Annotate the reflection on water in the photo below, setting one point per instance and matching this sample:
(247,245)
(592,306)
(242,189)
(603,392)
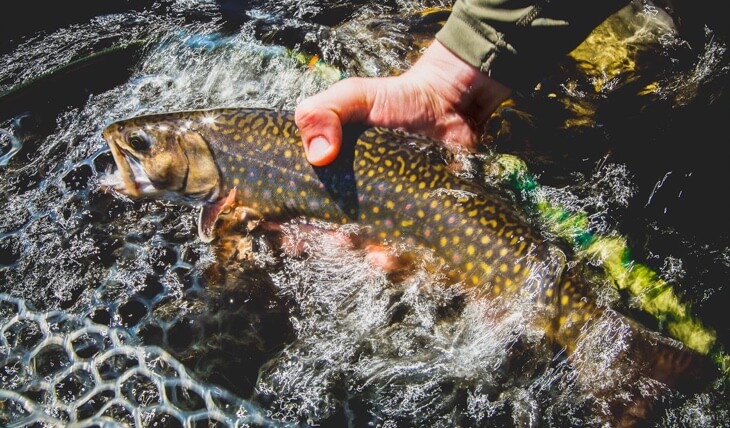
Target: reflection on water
(325,339)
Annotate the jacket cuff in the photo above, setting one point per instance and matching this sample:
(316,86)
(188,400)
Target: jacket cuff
(468,42)
(484,47)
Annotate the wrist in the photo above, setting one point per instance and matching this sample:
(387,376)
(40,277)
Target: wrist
(460,82)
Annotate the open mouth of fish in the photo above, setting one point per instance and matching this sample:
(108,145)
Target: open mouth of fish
(129,178)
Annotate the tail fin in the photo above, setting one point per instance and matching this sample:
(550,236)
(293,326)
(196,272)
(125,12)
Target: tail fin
(625,368)
(671,362)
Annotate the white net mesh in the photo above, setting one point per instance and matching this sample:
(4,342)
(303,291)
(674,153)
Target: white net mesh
(57,370)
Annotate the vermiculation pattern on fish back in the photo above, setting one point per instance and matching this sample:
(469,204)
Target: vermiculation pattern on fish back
(383,180)
(378,182)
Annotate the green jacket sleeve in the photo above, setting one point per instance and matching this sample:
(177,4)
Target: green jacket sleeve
(517,41)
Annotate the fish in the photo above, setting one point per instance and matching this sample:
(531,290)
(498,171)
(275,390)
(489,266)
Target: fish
(402,187)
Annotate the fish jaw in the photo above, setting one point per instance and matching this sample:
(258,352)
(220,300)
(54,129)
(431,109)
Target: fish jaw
(129,178)
(119,182)
(123,180)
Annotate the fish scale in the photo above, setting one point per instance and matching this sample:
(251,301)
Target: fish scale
(394,183)
(383,183)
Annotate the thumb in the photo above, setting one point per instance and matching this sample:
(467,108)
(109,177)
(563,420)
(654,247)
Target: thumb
(321,116)
(321,131)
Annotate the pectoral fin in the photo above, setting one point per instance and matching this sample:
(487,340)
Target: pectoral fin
(209,215)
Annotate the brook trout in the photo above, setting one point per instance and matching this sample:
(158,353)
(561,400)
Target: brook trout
(397,184)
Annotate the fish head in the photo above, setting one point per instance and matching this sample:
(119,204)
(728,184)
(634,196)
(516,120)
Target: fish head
(161,156)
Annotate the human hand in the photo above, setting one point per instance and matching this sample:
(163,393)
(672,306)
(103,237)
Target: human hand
(440,96)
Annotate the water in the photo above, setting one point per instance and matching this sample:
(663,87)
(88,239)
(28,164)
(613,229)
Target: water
(88,276)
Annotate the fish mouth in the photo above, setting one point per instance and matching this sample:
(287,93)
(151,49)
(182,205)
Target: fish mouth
(129,178)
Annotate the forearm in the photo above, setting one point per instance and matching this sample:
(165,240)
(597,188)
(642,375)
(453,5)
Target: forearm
(517,41)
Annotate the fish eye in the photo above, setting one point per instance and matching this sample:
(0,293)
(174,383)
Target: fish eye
(138,141)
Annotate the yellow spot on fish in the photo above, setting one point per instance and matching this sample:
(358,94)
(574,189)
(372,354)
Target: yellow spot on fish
(469,231)
(470,250)
(376,210)
(443,241)
(398,188)
(503,268)
(236,181)
(402,163)
(496,289)
(516,268)
(475,280)
(549,292)
(455,240)
(368,155)
(485,267)
(564,300)
(521,248)
(485,239)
